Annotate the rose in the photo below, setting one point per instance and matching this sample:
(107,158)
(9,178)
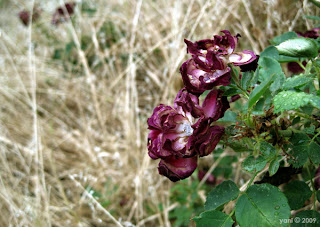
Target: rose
(178,135)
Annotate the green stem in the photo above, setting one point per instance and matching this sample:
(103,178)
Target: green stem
(251,180)
(314,191)
(317,70)
(301,65)
(313,138)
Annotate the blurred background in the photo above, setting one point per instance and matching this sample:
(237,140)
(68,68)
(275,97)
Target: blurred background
(78,81)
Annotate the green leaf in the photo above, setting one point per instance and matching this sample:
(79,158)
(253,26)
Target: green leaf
(298,47)
(262,205)
(220,195)
(245,79)
(286,59)
(259,91)
(310,130)
(252,164)
(213,218)
(291,100)
(268,67)
(298,139)
(297,81)
(270,52)
(274,166)
(306,218)
(229,116)
(285,36)
(315,2)
(300,154)
(314,153)
(267,149)
(312,17)
(297,192)
(231,92)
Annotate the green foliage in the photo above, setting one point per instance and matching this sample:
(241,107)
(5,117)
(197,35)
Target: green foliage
(298,47)
(277,126)
(262,205)
(223,193)
(281,38)
(186,194)
(252,164)
(213,218)
(297,81)
(291,100)
(297,192)
(307,218)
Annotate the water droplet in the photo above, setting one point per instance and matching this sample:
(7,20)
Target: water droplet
(284,205)
(277,207)
(276,213)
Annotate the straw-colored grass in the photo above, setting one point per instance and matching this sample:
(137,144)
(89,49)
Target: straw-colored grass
(69,131)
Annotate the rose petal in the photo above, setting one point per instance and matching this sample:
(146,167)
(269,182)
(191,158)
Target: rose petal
(177,168)
(242,58)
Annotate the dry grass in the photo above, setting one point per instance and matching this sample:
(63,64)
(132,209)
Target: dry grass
(66,128)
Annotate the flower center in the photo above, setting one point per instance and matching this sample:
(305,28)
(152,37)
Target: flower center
(188,129)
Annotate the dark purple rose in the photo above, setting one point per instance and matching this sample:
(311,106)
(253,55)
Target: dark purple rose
(313,33)
(295,68)
(252,66)
(172,129)
(176,168)
(216,53)
(317,180)
(63,13)
(197,80)
(205,137)
(185,131)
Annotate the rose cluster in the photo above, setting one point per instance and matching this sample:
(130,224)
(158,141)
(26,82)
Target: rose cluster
(182,133)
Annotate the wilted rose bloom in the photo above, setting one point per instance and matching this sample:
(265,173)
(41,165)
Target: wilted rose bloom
(63,13)
(252,66)
(176,168)
(179,134)
(313,33)
(197,80)
(216,53)
(210,59)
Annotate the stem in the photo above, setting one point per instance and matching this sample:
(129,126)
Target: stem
(251,180)
(317,70)
(286,133)
(301,65)
(314,191)
(313,138)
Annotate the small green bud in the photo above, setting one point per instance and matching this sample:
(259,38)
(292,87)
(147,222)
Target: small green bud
(298,47)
